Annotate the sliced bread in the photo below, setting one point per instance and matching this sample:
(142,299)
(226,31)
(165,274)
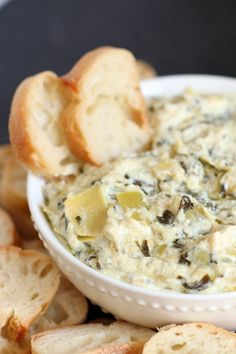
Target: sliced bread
(192,338)
(106,116)
(35,129)
(68,307)
(119,338)
(28,282)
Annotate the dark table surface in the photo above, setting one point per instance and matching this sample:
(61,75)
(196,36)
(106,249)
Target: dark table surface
(177,36)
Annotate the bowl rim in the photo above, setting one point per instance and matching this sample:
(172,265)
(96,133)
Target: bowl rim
(35,182)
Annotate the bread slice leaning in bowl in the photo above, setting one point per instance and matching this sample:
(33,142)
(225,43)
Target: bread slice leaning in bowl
(117,338)
(36,135)
(196,338)
(106,116)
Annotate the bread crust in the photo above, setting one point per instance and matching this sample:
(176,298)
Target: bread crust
(19,130)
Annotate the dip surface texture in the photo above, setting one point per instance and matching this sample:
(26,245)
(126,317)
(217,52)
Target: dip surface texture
(162,219)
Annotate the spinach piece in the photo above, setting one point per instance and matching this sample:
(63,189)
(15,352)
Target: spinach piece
(199,285)
(186,203)
(144,248)
(167,217)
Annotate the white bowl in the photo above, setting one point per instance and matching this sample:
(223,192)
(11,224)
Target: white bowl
(138,305)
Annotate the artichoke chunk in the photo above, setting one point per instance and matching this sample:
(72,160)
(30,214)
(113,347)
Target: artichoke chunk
(87,211)
(130,199)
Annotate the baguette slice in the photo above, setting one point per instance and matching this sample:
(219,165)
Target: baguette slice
(68,307)
(28,282)
(8,235)
(35,129)
(195,338)
(119,338)
(106,116)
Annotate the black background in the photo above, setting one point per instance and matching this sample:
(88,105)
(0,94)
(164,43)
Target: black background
(177,36)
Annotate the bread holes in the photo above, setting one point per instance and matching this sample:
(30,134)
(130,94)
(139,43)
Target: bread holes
(46,270)
(35,266)
(34,296)
(113,339)
(179,346)
(134,338)
(67,160)
(178,334)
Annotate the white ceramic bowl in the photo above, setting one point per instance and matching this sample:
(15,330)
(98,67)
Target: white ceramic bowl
(141,306)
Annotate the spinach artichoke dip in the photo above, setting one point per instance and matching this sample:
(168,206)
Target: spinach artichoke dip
(165,218)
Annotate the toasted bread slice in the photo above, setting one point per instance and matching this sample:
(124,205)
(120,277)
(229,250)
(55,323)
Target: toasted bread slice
(28,282)
(8,235)
(106,116)
(119,338)
(34,126)
(197,338)
(145,70)
(68,307)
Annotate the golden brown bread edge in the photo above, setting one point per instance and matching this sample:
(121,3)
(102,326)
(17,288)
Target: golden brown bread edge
(19,131)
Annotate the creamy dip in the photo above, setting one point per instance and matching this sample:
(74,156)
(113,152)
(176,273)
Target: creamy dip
(166,218)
